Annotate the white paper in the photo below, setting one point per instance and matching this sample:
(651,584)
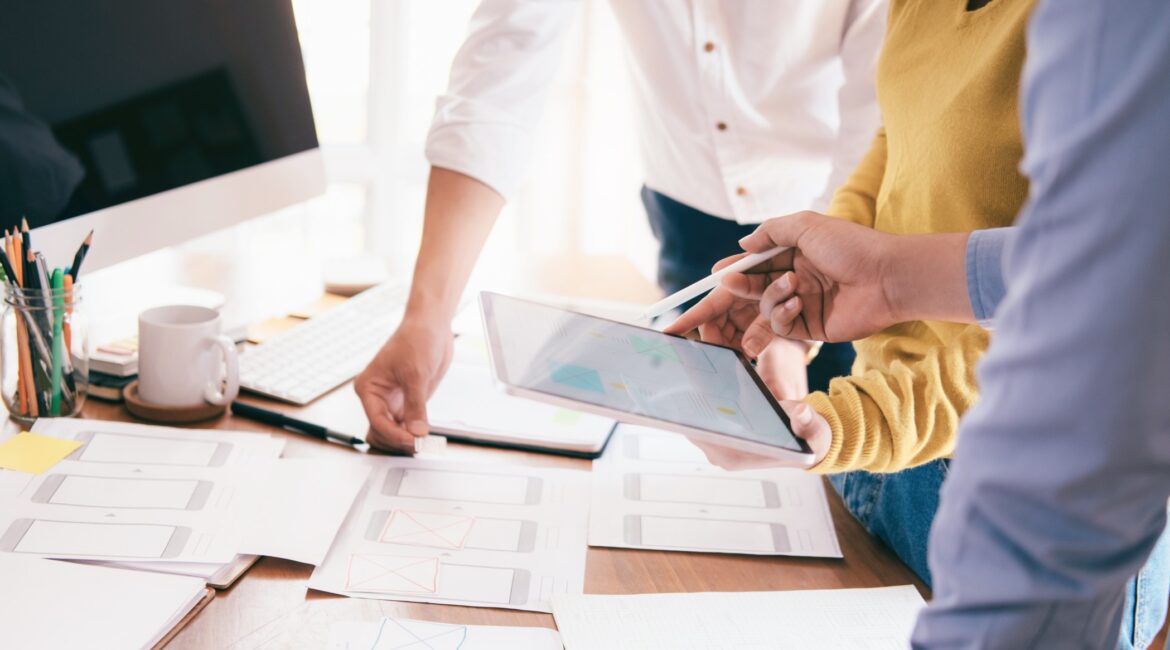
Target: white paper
(653,489)
(298,506)
(50,604)
(403,633)
(467,403)
(845,619)
(216,575)
(136,493)
(462,533)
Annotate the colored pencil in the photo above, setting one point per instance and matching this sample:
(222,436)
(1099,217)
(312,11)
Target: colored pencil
(68,312)
(23,369)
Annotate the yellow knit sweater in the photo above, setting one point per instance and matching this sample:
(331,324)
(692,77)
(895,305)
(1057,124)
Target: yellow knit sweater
(945,161)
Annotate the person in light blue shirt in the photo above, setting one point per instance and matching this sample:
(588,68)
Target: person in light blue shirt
(1059,486)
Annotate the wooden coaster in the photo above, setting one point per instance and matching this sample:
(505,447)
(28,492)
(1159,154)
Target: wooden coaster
(168,414)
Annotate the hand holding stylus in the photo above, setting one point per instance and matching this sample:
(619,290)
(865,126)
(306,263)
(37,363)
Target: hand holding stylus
(834,285)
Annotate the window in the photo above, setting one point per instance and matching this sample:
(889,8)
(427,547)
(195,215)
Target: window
(374,69)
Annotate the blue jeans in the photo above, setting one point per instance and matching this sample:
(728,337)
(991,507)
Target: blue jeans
(692,241)
(899,509)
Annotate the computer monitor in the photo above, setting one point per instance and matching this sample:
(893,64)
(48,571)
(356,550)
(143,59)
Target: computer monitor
(150,122)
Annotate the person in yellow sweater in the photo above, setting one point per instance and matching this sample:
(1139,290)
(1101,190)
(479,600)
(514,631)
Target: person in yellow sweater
(945,161)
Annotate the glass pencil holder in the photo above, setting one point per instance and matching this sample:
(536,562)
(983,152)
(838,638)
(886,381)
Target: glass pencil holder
(44,353)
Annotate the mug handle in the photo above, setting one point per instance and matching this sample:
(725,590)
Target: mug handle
(212,392)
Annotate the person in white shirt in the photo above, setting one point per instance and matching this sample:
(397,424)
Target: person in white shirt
(746,110)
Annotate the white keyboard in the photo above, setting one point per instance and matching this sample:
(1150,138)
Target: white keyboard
(322,353)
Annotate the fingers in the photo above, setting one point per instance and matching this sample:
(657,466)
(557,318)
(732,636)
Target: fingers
(783,367)
(414,408)
(783,310)
(787,320)
(385,433)
(756,337)
(747,286)
(810,426)
(777,293)
(711,307)
(780,231)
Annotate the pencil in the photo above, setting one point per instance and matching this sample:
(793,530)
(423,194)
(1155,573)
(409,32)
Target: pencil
(68,312)
(24,376)
(23,370)
(79,257)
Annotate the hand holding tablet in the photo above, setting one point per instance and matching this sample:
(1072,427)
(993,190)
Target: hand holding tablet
(637,375)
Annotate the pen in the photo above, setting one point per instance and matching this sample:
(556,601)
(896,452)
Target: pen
(56,376)
(79,256)
(708,283)
(36,326)
(283,421)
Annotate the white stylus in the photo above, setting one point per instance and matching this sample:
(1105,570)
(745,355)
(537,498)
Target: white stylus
(708,283)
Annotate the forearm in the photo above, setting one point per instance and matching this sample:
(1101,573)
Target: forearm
(459,214)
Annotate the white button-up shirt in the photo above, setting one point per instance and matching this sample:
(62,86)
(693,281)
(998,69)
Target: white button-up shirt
(748,109)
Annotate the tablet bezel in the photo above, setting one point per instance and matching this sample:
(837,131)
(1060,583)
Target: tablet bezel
(803,458)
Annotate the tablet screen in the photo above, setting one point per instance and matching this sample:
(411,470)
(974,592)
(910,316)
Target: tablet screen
(631,369)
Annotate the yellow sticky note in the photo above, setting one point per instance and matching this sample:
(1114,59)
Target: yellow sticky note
(29,452)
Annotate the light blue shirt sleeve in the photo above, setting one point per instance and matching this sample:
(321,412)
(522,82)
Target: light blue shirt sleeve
(1059,483)
(985,285)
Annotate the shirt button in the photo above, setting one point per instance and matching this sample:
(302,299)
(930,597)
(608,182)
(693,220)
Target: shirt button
(741,191)
(709,47)
(722,126)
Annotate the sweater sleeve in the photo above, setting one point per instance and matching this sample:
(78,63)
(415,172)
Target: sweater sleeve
(856,200)
(905,414)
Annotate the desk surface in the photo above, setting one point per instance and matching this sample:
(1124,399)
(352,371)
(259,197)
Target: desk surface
(270,606)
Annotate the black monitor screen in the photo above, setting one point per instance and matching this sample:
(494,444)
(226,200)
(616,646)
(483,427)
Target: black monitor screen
(107,101)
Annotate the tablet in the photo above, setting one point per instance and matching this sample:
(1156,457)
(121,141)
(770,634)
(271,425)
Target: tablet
(636,375)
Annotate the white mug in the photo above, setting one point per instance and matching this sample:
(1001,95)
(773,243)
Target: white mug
(183,359)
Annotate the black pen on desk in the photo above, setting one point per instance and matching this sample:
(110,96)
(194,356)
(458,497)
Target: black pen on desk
(283,421)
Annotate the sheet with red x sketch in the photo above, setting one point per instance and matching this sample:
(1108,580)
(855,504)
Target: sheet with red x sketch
(462,533)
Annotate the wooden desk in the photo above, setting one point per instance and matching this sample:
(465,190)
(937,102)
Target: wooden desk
(270,607)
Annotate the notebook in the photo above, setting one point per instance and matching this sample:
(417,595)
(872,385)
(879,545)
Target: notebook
(51,604)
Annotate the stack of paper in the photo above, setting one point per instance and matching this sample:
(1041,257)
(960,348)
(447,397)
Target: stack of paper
(845,619)
(200,503)
(653,489)
(49,604)
(462,533)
